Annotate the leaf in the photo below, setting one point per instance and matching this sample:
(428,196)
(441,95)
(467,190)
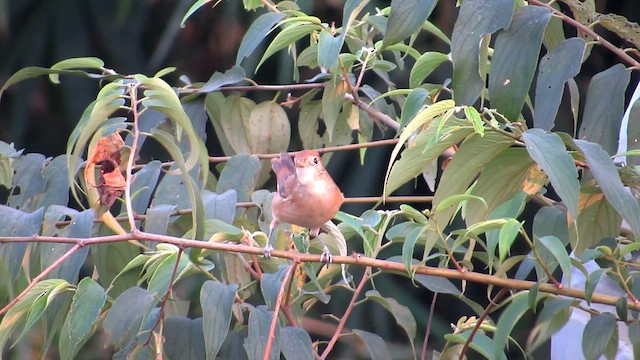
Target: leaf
(425,65)
(437,284)
(218,80)
(476,19)
(548,151)
(197,5)
(501,179)
(596,220)
(406,18)
(270,286)
(508,234)
(518,306)
(412,105)
(124,319)
(515,58)
(183,338)
(474,153)
(75,63)
(81,320)
(268,130)
(328,49)
(288,36)
(408,246)
(604,107)
(332,100)
(295,343)
(401,313)
(605,173)
(375,344)
(258,30)
(240,174)
(597,334)
(555,69)
(259,324)
(556,248)
(553,317)
(216,300)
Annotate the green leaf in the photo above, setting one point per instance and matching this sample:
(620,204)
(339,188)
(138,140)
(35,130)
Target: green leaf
(474,153)
(406,18)
(549,152)
(328,49)
(401,313)
(16,316)
(183,338)
(519,305)
(197,5)
(437,284)
(556,68)
(270,286)
(216,300)
(591,283)
(476,120)
(218,80)
(412,105)
(82,318)
(288,36)
(475,19)
(634,336)
(606,174)
(552,318)
(295,344)
(268,130)
(332,101)
(258,30)
(75,63)
(161,277)
(508,234)
(125,318)
(597,220)
(425,65)
(240,174)
(515,58)
(597,334)
(374,343)
(501,179)
(604,107)
(408,246)
(259,324)
(557,249)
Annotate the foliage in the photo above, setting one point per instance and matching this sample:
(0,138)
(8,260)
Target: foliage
(164,257)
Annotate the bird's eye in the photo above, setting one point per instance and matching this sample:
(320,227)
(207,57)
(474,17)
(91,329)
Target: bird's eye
(315,160)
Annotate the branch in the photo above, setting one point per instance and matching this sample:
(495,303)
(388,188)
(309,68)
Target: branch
(343,319)
(276,310)
(355,260)
(587,30)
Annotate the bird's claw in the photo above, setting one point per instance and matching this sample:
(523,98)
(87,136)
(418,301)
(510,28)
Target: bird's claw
(267,251)
(326,256)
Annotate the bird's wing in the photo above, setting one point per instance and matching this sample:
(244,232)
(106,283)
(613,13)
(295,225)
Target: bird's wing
(285,171)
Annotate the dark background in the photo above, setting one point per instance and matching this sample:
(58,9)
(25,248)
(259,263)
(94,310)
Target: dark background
(145,36)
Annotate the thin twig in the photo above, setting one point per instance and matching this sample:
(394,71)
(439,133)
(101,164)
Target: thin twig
(427,332)
(587,30)
(480,320)
(343,319)
(133,93)
(359,260)
(276,310)
(42,275)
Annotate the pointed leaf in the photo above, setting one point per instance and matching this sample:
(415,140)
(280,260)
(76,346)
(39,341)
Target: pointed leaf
(296,344)
(406,17)
(604,107)
(512,313)
(286,37)
(556,248)
(597,334)
(549,152)
(606,174)
(556,68)
(401,313)
(258,30)
(424,66)
(82,317)
(125,317)
(218,80)
(476,19)
(259,324)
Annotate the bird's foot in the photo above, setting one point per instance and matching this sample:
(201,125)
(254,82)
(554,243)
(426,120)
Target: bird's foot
(267,251)
(326,256)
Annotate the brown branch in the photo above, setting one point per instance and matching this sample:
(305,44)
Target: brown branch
(276,310)
(480,320)
(427,331)
(355,260)
(79,244)
(347,312)
(587,30)
(368,144)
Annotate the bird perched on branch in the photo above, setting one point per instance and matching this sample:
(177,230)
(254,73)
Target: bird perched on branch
(306,195)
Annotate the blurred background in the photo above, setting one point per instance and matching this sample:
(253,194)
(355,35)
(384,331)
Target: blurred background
(145,36)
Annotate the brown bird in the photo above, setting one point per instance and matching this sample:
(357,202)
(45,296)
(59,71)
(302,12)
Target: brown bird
(306,195)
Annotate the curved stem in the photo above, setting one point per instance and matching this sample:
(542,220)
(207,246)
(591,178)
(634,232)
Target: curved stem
(276,310)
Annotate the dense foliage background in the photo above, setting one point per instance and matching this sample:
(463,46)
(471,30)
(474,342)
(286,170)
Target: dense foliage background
(145,37)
